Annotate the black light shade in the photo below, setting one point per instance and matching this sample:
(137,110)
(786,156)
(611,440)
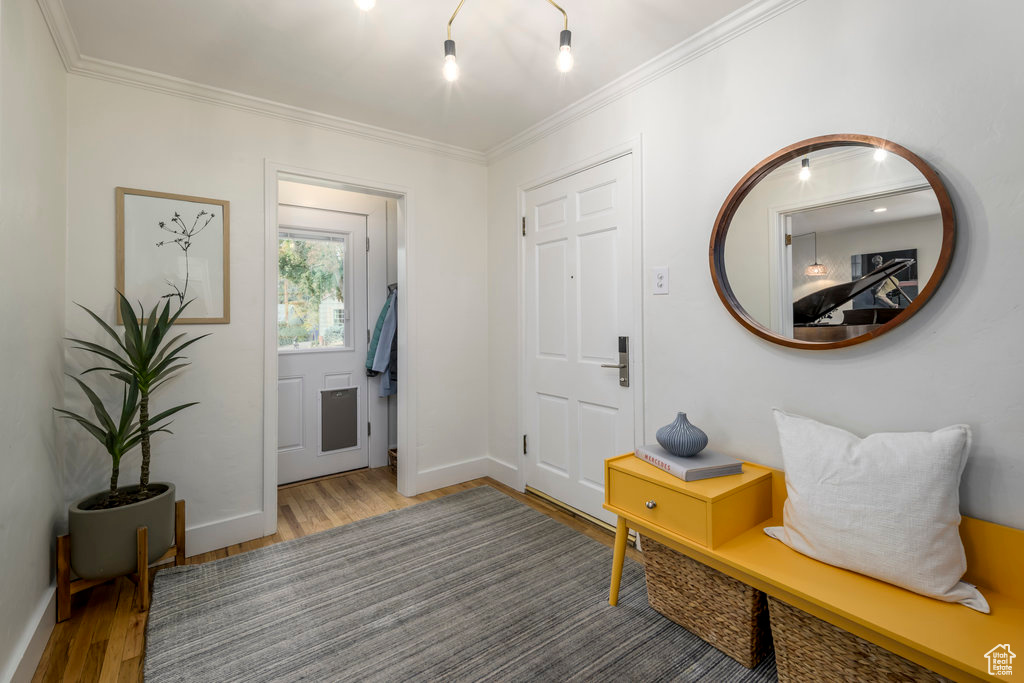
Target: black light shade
(449,48)
(565,39)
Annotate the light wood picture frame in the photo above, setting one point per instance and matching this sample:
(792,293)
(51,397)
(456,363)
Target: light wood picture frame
(176,247)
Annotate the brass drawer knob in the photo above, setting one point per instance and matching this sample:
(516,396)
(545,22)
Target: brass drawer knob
(651,504)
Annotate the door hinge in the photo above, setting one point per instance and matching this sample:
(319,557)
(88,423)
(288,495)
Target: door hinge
(524,444)
(367,245)
(789,240)
(368,429)
(524,226)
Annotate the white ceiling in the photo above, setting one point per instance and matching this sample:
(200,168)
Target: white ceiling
(859,214)
(383,67)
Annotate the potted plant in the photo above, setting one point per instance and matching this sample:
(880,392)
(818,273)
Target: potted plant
(102,525)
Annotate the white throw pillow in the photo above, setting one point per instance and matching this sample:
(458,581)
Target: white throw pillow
(887,506)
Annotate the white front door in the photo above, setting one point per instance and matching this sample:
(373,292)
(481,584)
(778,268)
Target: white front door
(322,322)
(579,301)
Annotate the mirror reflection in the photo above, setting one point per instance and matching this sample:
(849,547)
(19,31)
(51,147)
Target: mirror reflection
(834,243)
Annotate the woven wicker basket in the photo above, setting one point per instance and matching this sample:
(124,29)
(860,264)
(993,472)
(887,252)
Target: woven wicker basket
(393,461)
(809,649)
(726,613)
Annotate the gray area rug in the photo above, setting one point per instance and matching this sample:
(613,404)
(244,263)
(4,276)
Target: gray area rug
(473,586)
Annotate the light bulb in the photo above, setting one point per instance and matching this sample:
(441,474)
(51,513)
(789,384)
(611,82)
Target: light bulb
(366,5)
(879,209)
(805,169)
(880,154)
(450,69)
(565,59)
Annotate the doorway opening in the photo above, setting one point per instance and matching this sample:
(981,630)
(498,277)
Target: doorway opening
(829,243)
(331,395)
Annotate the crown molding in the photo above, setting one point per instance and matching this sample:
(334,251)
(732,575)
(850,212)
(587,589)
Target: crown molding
(60,29)
(76,63)
(729,27)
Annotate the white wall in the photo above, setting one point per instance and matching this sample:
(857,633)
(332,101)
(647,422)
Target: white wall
(33,173)
(934,77)
(121,135)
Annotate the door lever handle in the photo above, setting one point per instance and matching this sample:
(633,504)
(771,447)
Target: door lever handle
(623,365)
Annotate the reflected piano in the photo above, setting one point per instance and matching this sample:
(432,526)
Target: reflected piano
(809,312)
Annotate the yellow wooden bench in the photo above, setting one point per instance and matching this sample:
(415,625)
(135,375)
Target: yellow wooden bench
(949,639)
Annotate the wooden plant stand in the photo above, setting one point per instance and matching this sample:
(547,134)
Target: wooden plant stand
(66,587)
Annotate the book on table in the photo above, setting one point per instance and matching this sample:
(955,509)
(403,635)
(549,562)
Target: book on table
(704,465)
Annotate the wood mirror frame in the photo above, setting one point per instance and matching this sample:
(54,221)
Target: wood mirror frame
(754,176)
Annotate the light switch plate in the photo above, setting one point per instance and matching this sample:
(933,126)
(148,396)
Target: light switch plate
(659,280)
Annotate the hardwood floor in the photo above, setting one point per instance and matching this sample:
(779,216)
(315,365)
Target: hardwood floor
(105,636)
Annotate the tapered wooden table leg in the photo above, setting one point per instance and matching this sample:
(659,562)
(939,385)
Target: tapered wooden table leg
(621,536)
(63,578)
(142,541)
(179,533)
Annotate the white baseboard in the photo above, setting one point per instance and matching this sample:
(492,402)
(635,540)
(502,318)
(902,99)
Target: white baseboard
(225,532)
(22,667)
(456,473)
(503,472)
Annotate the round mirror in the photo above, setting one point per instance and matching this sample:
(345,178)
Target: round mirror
(832,241)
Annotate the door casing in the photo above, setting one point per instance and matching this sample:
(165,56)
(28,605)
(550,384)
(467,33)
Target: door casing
(407,369)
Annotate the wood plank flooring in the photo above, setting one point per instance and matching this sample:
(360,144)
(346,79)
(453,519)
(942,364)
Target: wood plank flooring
(105,637)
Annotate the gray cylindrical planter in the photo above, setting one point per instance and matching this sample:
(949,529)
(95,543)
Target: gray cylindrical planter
(103,542)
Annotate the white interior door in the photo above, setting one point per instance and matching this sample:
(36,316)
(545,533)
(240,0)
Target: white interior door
(579,300)
(322,322)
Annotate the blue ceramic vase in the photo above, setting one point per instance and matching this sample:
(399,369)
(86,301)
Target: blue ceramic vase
(682,438)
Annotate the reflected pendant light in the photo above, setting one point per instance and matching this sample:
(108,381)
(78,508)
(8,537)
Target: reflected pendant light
(564,62)
(815,269)
(805,169)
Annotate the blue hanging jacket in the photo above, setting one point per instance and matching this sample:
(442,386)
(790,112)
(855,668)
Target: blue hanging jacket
(385,359)
(371,352)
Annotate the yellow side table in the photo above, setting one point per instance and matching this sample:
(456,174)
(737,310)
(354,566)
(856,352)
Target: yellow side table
(707,512)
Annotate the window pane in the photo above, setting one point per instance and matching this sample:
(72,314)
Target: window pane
(310,292)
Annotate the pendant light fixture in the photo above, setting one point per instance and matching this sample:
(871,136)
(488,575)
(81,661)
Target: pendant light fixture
(805,169)
(451,67)
(564,62)
(815,269)
(565,59)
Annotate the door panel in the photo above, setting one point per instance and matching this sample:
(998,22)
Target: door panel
(598,438)
(550,214)
(289,418)
(598,307)
(551,288)
(579,280)
(553,432)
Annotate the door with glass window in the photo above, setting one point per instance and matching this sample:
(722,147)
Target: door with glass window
(321,324)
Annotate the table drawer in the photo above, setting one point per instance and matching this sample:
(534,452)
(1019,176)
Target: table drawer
(672,510)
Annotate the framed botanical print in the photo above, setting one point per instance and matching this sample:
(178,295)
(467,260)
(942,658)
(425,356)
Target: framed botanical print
(174,247)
